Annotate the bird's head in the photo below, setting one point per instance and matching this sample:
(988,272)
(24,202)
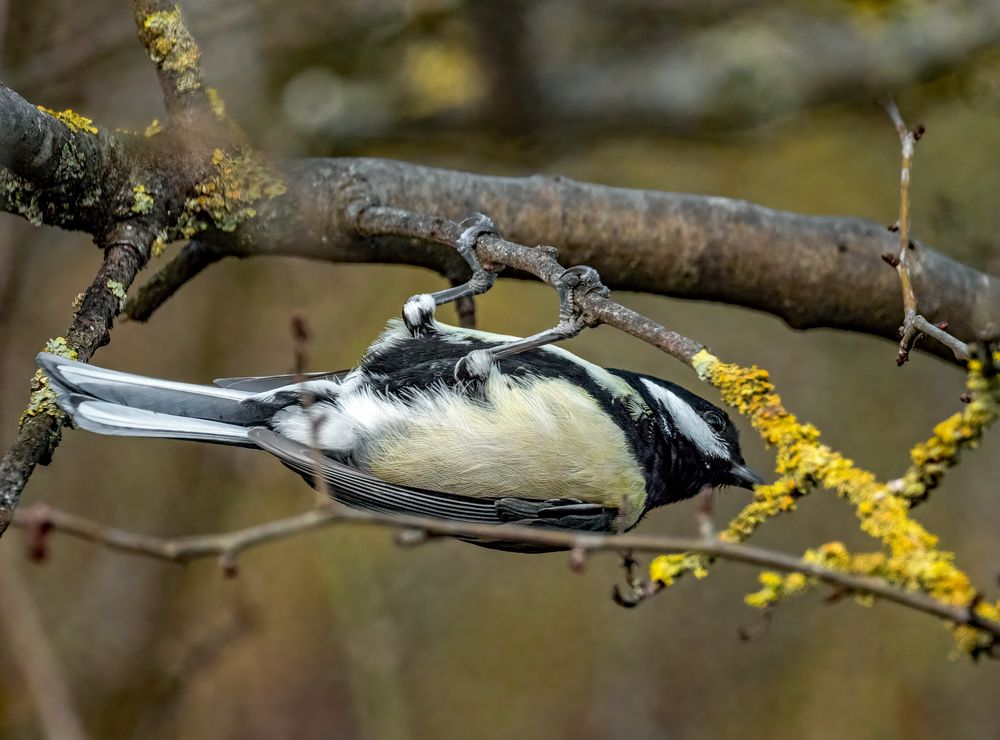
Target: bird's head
(703,444)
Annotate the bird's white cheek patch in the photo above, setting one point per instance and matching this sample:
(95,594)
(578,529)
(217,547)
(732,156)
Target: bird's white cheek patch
(687,421)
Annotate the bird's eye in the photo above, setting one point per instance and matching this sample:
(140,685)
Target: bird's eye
(715,421)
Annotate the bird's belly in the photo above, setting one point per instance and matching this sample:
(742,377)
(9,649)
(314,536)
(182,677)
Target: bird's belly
(548,439)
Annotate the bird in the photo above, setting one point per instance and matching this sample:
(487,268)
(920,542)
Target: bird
(447,422)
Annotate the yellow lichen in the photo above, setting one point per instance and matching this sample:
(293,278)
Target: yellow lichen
(118,291)
(911,559)
(229,197)
(72,120)
(153,129)
(666,569)
(962,430)
(142,202)
(173,49)
(43,399)
(159,242)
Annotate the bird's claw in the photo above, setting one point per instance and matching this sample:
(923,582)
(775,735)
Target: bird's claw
(572,284)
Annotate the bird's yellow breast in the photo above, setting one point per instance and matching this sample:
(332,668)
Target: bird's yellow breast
(547,439)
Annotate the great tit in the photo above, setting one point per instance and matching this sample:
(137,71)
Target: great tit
(448,422)
(546,438)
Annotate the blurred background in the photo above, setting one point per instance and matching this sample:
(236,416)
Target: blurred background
(340,634)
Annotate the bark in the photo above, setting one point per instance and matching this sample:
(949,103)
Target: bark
(811,271)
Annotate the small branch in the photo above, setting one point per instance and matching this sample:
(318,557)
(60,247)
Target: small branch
(40,430)
(913,323)
(229,545)
(177,58)
(960,349)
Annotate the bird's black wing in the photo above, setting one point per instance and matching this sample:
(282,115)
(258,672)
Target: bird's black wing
(362,490)
(262,383)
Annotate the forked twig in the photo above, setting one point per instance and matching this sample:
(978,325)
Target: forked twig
(914,325)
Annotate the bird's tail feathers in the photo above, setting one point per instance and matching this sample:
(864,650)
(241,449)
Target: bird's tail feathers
(105,417)
(206,402)
(112,402)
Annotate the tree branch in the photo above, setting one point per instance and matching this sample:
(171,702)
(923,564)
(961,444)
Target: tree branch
(38,521)
(176,55)
(56,168)
(41,425)
(811,271)
(536,261)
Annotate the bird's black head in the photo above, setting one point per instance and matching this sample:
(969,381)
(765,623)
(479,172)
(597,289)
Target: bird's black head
(701,445)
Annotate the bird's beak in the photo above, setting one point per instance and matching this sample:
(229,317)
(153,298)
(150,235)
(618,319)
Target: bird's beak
(744,477)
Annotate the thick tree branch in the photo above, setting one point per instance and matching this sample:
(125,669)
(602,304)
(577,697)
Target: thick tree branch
(56,168)
(811,271)
(40,520)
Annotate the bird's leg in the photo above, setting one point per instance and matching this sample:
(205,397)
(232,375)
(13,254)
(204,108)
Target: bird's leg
(571,284)
(418,311)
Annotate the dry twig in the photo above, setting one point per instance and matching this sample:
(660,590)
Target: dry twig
(914,325)
(228,546)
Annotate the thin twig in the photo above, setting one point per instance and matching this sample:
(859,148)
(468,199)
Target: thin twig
(232,544)
(914,325)
(126,251)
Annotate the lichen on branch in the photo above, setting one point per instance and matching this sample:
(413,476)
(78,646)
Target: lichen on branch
(43,398)
(172,48)
(73,120)
(911,558)
(228,197)
(962,430)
